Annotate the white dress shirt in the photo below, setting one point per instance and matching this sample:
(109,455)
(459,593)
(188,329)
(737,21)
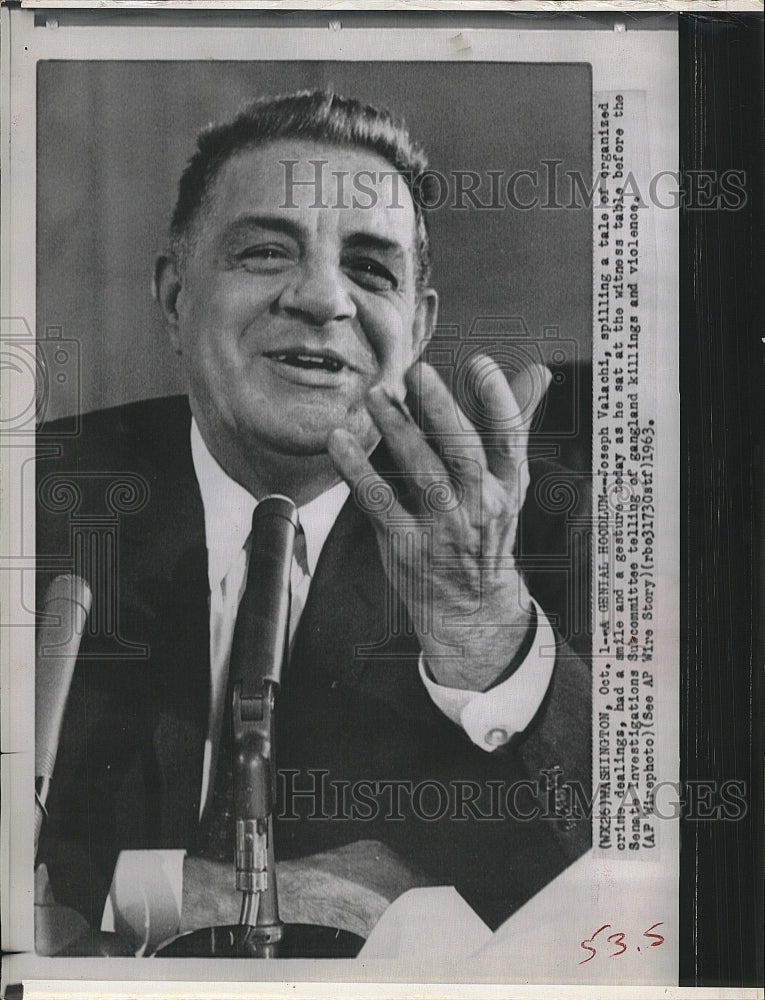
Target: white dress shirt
(489,718)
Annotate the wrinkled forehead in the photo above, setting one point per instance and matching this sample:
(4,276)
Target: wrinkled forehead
(320,186)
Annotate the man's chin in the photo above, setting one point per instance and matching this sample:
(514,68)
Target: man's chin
(315,446)
(307,438)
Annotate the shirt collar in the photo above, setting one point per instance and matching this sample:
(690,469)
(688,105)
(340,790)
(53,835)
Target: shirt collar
(229,507)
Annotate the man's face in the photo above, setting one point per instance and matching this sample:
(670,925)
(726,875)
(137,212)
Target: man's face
(287,313)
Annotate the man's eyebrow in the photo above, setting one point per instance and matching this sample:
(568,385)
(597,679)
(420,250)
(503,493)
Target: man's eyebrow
(362,241)
(273,223)
(244,224)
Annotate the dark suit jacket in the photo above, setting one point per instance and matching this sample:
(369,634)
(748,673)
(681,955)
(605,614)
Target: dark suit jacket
(119,503)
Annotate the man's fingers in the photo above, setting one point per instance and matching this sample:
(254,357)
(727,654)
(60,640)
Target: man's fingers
(504,411)
(373,494)
(348,456)
(405,441)
(441,411)
(529,387)
(446,425)
(508,407)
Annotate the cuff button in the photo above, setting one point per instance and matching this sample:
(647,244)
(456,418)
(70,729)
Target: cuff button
(496,737)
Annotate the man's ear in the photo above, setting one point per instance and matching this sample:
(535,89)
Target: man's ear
(425,316)
(166,285)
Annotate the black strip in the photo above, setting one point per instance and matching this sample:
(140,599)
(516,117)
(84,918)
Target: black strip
(721,907)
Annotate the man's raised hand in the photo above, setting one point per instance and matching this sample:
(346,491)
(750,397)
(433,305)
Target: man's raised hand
(447,537)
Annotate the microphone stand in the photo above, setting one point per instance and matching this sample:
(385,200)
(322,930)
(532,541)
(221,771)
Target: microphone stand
(254,781)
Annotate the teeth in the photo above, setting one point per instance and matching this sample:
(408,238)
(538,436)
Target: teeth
(310,361)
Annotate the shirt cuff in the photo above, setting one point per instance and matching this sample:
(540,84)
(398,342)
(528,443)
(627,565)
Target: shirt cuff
(145,898)
(491,718)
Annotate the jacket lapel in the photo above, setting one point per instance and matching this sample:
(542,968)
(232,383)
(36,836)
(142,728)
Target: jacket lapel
(345,603)
(354,629)
(165,599)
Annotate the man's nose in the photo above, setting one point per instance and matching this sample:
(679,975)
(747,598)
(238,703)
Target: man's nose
(318,295)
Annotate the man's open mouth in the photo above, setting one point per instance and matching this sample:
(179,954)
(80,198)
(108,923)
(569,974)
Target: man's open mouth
(309,361)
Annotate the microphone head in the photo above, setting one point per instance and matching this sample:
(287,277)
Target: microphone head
(71,589)
(276,505)
(66,606)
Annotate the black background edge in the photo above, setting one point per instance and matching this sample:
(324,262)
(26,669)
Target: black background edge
(721,392)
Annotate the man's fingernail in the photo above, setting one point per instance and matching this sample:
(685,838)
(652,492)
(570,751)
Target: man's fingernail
(420,372)
(341,439)
(546,376)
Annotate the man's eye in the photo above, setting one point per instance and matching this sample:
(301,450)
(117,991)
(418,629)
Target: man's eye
(371,274)
(263,257)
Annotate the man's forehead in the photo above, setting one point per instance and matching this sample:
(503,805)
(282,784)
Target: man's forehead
(351,188)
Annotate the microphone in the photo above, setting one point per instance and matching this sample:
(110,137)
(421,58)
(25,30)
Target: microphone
(262,622)
(67,601)
(257,657)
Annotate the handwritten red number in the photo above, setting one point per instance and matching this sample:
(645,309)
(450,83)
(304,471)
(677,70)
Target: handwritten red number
(584,944)
(659,939)
(619,940)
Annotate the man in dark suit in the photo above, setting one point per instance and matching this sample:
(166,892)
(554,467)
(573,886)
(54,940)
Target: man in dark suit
(422,706)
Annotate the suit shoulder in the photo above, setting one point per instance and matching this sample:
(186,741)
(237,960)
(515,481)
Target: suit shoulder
(145,433)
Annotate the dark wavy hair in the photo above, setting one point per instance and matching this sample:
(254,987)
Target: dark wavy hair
(317,115)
